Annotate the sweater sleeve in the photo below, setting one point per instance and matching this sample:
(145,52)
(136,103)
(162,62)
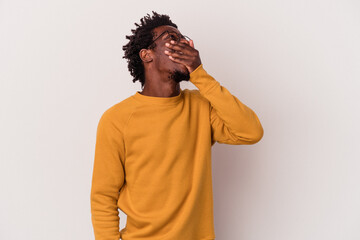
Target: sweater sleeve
(107,180)
(232,122)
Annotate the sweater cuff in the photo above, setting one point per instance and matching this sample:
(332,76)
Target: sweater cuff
(200,66)
(202,80)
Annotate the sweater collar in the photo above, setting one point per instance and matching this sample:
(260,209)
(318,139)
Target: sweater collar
(159,100)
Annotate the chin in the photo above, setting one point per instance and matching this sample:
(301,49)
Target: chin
(180,75)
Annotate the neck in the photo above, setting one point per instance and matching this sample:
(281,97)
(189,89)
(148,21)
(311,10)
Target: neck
(161,90)
(160,85)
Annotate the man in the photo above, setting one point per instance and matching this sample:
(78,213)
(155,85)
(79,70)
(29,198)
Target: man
(153,149)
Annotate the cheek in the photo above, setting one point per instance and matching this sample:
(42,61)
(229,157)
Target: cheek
(162,61)
(161,52)
(162,58)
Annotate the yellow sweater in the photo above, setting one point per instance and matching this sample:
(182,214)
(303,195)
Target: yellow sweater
(153,161)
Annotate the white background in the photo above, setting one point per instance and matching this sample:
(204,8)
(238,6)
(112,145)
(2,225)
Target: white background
(295,63)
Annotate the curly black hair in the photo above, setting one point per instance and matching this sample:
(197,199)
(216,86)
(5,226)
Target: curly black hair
(141,38)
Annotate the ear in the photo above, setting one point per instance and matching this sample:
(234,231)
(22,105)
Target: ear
(145,55)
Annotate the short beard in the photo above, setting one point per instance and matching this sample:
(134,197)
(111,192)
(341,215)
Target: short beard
(179,76)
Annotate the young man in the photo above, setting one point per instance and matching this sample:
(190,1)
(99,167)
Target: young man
(153,149)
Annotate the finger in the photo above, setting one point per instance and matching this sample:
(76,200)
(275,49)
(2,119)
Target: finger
(178,60)
(180,47)
(183,40)
(192,43)
(177,54)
